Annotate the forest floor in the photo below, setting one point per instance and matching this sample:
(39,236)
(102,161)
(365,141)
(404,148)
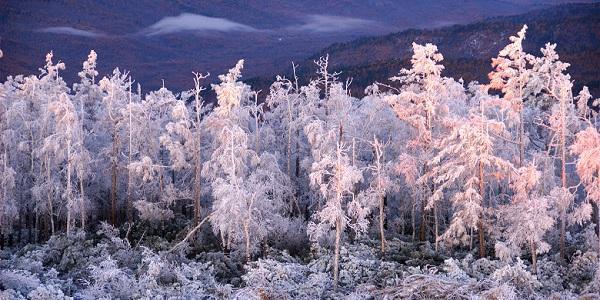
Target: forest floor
(106,265)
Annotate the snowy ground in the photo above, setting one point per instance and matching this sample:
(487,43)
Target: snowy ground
(105,266)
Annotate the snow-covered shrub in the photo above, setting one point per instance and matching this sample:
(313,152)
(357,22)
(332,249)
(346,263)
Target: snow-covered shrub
(152,211)
(582,269)
(428,286)
(225,268)
(517,276)
(10,294)
(483,268)
(108,280)
(276,280)
(590,239)
(290,235)
(26,276)
(47,292)
(453,269)
(20,281)
(551,275)
(359,265)
(503,291)
(157,276)
(594,285)
(66,252)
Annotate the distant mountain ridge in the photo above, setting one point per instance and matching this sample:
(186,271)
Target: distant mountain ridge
(468,49)
(285,30)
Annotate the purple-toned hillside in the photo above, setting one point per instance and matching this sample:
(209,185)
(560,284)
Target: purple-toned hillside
(156,40)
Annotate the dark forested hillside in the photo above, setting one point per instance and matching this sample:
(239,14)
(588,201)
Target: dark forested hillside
(468,49)
(274,32)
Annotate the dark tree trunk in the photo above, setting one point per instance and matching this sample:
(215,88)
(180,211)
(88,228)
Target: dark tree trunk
(423,226)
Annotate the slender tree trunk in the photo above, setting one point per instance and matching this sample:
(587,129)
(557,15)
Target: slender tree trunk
(598,225)
(533,257)
(289,140)
(20,226)
(30,223)
(521,121)
(69,194)
(422,227)
(37,225)
(82,148)
(198,157)
(381,222)
(481,230)
(49,195)
(223,240)
(247,228)
(521,135)
(197,190)
(297,153)
(413,220)
(113,180)
(257,135)
(353,151)
(229,239)
(128,205)
(336,257)
(82,204)
(435,218)
(481,223)
(247,239)
(338,221)
(470,239)
(563,176)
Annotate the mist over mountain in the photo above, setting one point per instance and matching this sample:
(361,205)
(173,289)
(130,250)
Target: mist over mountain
(169,39)
(468,49)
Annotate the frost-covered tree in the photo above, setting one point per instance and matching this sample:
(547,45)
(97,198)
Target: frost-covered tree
(582,100)
(33,121)
(587,147)
(527,218)
(8,208)
(332,171)
(381,182)
(283,115)
(334,176)
(182,139)
(283,102)
(511,76)
(466,157)
(64,146)
(231,93)
(563,121)
(234,159)
(199,107)
(326,77)
(423,102)
(114,120)
(150,156)
(248,187)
